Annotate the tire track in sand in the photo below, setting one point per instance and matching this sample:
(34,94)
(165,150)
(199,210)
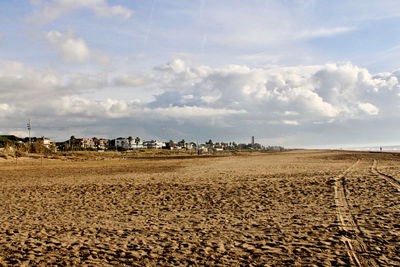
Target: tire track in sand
(356,248)
(392,180)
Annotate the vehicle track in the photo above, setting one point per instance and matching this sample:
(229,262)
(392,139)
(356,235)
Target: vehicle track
(356,248)
(392,180)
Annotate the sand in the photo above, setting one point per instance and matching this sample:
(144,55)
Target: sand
(303,208)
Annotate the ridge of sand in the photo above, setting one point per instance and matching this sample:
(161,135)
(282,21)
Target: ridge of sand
(392,180)
(355,246)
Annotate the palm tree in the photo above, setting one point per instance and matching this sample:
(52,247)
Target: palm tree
(72,141)
(181,143)
(210,143)
(137,141)
(96,142)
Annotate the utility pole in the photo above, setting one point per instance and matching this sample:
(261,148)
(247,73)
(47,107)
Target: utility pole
(29,126)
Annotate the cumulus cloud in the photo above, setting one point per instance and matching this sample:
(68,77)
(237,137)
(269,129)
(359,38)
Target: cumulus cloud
(74,50)
(47,11)
(79,106)
(111,108)
(18,81)
(177,74)
(20,84)
(368,108)
(200,100)
(192,112)
(313,92)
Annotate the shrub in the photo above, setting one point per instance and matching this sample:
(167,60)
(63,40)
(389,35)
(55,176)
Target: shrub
(19,154)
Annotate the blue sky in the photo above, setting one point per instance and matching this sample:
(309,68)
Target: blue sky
(292,73)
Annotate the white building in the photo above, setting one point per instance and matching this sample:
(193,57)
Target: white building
(137,146)
(153,144)
(45,141)
(122,142)
(87,143)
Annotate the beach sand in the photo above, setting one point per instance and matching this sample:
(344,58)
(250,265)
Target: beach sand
(304,208)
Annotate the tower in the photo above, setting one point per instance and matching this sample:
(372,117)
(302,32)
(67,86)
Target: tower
(252,141)
(29,126)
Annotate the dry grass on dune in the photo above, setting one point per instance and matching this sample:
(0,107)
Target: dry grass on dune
(293,208)
(94,155)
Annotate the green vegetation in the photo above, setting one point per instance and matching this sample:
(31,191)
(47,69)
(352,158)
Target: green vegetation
(9,139)
(14,147)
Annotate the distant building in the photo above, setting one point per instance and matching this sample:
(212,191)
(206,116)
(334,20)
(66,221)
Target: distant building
(191,146)
(41,140)
(138,146)
(153,144)
(122,142)
(87,143)
(45,141)
(204,147)
(103,144)
(252,141)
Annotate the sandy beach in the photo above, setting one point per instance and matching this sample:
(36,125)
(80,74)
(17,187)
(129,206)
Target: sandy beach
(321,208)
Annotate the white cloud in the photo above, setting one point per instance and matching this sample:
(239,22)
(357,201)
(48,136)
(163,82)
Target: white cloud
(111,108)
(132,80)
(5,109)
(290,113)
(368,108)
(21,133)
(104,10)
(187,97)
(192,112)
(318,91)
(271,26)
(69,48)
(289,122)
(74,50)
(176,74)
(18,81)
(51,10)
(21,83)
(210,98)
(323,32)
(313,103)
(199,100)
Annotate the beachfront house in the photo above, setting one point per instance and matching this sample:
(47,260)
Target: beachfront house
(191,146)
(45,141)
(153,144)
(138,145)
(203,147)
(122,143)
(102,144)
(87,143)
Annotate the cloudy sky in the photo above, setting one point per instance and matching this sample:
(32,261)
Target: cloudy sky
(297,73)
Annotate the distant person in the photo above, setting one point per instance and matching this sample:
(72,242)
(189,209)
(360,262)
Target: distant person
(381,148)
